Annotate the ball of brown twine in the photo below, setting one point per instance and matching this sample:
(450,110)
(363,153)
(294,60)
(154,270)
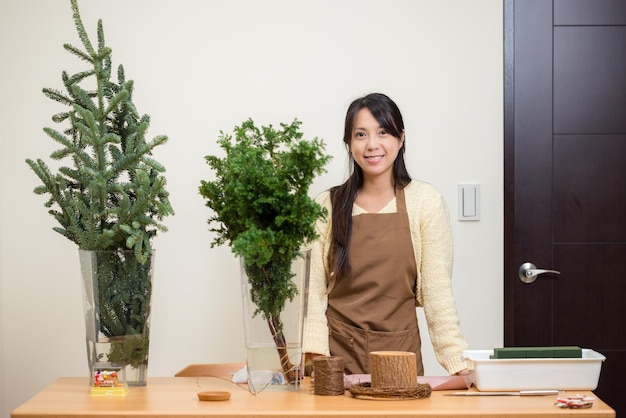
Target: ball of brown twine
(328,376)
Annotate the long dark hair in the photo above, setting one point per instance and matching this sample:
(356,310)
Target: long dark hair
(342,197)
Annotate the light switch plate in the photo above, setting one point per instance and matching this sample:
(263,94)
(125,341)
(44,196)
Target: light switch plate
(469,202)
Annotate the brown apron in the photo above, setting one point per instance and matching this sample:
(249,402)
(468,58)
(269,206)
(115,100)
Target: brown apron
(374,308)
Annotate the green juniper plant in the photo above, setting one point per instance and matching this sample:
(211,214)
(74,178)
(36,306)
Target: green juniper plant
(112,196)
(262,209)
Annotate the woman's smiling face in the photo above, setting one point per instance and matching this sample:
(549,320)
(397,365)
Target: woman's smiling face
(372,147)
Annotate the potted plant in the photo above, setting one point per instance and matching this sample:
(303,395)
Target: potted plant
(261,208)
(110,200)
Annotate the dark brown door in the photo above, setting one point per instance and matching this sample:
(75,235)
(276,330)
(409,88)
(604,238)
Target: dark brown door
(565,179)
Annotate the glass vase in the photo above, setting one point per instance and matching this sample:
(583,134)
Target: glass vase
(274,356)
(117,292)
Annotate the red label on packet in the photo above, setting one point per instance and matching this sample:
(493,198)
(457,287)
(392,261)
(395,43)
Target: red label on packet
(575,402)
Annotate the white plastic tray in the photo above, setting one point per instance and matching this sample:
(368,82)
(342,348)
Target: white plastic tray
(535,374)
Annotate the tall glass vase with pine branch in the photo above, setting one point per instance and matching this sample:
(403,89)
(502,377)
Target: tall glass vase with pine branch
(110,200)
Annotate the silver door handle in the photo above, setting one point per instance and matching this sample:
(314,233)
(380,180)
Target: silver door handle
(528,272)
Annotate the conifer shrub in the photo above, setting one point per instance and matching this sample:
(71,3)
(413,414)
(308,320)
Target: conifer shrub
(261,208)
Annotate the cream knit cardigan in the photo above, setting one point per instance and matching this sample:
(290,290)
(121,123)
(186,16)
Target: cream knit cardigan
(432,242)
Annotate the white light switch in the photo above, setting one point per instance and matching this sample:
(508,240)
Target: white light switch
(469,202)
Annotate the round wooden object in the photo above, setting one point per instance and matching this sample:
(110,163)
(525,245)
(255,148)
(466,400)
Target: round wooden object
(214,395)
(393,369)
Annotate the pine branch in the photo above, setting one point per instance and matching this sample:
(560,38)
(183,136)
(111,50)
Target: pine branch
(80,54)
(114,180)
(77,78)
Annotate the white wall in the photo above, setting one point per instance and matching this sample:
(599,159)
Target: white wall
(201,66)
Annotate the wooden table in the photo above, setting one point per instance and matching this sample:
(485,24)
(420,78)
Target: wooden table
(177,397)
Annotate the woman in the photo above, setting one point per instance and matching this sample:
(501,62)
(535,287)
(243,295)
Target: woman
(385,248)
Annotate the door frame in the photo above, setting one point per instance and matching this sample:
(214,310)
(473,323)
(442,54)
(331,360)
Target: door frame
(509,169)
